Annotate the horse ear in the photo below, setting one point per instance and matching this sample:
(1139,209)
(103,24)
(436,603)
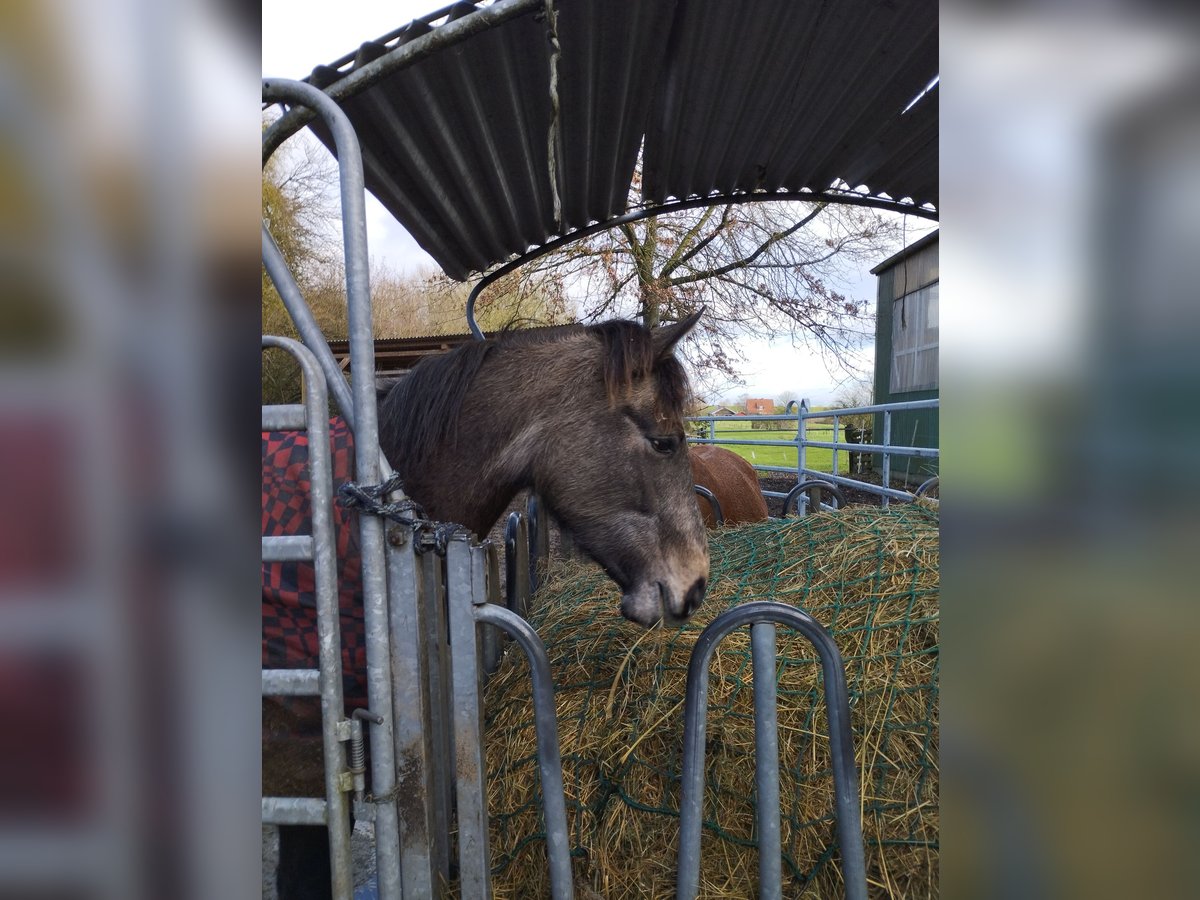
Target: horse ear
(667,336)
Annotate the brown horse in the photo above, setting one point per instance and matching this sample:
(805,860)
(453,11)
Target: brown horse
(732,481)
(590,418)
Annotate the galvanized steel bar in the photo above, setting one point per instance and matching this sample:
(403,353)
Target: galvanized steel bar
(924,452)
(835,446)
(804,487)
(401,57)
(491,638)
(539,538)
(712,501)
(463,594)
(887,457)
(306,325)
(437,676)
(801,432)
(516,564)
(293,811)
(368,467)
(416,760)
(329,644)
(845,774)
(287,547)
(291,682)
(766,761)
(554,807)
(283,417)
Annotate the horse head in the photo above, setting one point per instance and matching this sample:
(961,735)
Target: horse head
(588,417)
(615,472)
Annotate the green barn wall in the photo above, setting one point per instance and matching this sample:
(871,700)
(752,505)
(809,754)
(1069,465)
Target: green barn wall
(921,422)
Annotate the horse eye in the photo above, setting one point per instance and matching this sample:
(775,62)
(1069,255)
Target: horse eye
(663,445)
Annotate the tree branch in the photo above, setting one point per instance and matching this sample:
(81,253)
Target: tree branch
(748,260)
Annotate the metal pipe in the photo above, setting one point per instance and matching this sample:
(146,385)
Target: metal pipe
(712,501)
(837,704)
(766,762)
(283,417)
(801,436)
(396,59)
(836,444)
(810,485)
(368,467)
(287,547)
(291,682)
(293,811)
(927,486)
(554,807)
(306,325)
(887,457)
(329,646)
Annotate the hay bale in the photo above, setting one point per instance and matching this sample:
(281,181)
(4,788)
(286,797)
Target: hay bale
(868,575)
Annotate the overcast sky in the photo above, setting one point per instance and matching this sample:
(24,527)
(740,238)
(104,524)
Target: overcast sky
(300,34)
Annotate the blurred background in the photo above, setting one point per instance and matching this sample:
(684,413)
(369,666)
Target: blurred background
(129,307)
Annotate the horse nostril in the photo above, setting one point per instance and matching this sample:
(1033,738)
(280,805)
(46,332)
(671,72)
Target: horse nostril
(695,596)
(664,597)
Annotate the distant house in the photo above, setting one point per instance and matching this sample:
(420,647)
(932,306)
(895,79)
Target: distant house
(757,407)
(906,350)
(722,411)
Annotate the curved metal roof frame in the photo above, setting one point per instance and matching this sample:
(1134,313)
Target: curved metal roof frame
(509,130)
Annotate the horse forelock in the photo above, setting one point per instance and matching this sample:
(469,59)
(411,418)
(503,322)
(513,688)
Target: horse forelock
(629,355)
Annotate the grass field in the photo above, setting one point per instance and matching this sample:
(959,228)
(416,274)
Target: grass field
(815,457)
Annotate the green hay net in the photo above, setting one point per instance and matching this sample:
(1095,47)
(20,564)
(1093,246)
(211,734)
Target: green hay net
(870,577)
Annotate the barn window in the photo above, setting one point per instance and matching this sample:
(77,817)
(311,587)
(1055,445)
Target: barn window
(915,340)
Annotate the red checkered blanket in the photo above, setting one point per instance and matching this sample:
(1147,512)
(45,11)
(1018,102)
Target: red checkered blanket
(289,613)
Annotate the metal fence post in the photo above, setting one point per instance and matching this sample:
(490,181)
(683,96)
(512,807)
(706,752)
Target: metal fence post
(801,460)
(465,591)
(887,457)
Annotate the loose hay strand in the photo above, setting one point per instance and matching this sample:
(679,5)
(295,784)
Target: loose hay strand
(870,577)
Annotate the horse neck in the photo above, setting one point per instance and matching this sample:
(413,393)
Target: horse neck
(489,457)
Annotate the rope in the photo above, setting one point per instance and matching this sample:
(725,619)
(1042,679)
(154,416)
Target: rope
(553,137)
(368,498)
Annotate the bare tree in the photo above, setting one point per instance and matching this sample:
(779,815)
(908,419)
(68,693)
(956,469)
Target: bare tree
(761,269)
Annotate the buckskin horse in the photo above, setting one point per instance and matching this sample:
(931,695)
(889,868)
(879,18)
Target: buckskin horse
(588,417)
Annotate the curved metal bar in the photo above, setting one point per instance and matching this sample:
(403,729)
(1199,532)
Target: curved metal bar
(837,704)
(369,462)
(545,718)
(636,215)
(516,564)
(329,642)
(398,58)
(306,323)
(926,486)
(712,501)
(811,484)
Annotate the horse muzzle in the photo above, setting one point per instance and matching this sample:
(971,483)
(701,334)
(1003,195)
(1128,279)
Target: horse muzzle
(652,602)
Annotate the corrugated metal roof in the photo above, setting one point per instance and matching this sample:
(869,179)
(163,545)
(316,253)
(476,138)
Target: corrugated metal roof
(760,95)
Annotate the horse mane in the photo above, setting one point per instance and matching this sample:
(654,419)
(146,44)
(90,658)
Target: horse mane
(421,410)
